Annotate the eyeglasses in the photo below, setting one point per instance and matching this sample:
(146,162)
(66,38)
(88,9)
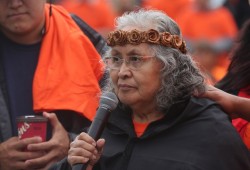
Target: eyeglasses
(134,62)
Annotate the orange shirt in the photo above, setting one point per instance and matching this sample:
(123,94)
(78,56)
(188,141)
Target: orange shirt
(211,25)
(98,14)
(243,126)
(170,7)
(140,128)
(69,67)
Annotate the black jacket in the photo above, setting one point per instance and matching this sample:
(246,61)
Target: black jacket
(194,135)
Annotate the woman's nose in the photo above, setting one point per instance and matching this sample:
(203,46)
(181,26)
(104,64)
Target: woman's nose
(124,70)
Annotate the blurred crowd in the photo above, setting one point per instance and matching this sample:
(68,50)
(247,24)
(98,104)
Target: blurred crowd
(209,27)
(56,65)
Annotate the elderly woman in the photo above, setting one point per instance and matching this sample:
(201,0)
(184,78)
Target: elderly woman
(158,124)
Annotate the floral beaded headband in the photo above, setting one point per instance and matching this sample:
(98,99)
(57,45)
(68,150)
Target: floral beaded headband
(135,37)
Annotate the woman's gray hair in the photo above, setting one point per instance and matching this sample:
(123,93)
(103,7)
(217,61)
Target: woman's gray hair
(180,77)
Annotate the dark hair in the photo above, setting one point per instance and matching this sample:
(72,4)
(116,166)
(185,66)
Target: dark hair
(238,75)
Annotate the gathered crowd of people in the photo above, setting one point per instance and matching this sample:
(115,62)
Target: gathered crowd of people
(179,70)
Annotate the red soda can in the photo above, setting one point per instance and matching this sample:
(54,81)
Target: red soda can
(32,125)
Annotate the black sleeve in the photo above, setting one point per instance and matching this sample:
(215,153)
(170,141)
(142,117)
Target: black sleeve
(73,123)
(96,39)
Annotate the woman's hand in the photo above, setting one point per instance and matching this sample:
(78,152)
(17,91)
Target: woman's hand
(224,99)
(84,150)
(235,106)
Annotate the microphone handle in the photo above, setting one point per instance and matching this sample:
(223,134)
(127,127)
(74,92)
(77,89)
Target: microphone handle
(95,131)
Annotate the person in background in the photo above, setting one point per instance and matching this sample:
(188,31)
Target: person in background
(97,13)
(237,79)
(207,22)
(206,57)
(172,8)
(121,6)
(158,124)
(46,64)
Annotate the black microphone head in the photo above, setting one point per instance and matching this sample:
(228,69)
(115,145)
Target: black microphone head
(108,100)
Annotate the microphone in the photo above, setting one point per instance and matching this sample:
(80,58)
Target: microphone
(108,102)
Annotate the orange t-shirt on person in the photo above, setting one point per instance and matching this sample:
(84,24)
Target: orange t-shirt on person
(243,126)
(171,7)
(140,128)
(209,25)
(97,13)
